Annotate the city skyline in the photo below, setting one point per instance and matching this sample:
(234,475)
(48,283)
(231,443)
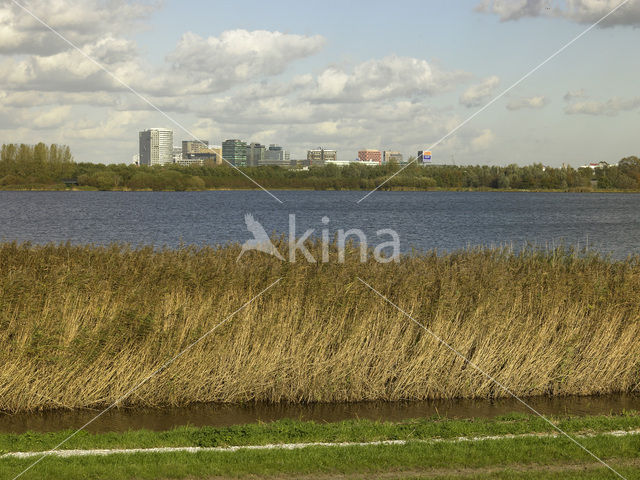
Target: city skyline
(391,76)
(155,148)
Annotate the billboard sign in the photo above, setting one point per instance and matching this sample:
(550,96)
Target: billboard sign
(424,156)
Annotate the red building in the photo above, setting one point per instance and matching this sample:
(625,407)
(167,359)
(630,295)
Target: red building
(370,156)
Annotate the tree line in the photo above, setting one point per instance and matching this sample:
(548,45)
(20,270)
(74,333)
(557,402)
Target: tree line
(53,167)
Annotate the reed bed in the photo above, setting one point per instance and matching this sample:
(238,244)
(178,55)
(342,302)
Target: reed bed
(80,325)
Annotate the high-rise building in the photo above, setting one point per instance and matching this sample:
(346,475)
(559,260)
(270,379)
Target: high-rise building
(320,156)
(370,156)
(276,155)
(199,152)
(156,146)
(255,154)
(194,146)
(395,157)
(234,151)
(209,156)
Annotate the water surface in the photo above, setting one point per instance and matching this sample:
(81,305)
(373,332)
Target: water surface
(218,415)
(609,223)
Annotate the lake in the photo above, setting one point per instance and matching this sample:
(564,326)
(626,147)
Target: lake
(608,223)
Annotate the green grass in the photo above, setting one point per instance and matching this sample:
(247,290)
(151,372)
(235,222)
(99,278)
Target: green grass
(328,460)
(292,431)
(503,458)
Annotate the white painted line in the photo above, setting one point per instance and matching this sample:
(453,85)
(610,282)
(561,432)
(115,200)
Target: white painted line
(296,446)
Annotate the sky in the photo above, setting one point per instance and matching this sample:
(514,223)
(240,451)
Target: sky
(346,75)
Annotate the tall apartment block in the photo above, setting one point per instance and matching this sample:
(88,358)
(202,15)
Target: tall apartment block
(370,156)
(156,146)
(320,156)
(255,154)
(234,151)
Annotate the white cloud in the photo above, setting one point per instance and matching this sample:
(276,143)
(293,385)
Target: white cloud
(578,103)
(579,11)
(388,77)
(590,11)
(236,57)
(609,108)
(116,125)
(71,71)
(535,102)
(483,141)
(477,95)
(573,94)
(375,89)
(239,55)
(34,118)
(34,98)
(514,9)
(80,22)
(299,123)
(52,118)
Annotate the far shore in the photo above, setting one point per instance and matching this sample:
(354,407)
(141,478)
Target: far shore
(63,188)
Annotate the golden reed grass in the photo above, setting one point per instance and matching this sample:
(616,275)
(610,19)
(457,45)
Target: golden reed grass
(80,325)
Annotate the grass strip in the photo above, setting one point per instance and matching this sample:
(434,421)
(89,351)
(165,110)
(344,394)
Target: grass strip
(293,431)
(367,460)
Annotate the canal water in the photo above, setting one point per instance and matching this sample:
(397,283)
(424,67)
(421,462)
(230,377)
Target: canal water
(219,415)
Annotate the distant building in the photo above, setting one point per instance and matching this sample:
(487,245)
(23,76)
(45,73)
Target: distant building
(156,146)
(395,157)
(177,154)
(297,163)
(194,146)
(255,154)
(344,163)
(199,152)
(276,155)
(339,163)
(370,156)
(234,151)
(595,166)
(136,159)
(320,156)
(211,156)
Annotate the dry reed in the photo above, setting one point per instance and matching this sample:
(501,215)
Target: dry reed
(80,325)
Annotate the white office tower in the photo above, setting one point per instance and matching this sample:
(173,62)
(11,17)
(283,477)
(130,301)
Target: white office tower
(156,146)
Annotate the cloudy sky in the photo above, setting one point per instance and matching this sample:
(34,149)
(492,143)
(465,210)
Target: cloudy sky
(342,74)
